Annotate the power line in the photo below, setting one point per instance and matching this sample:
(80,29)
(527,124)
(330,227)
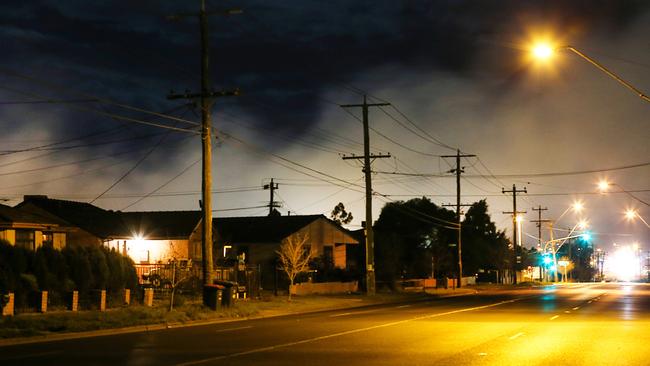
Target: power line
(163,185)
(136,165)
(56,87)
(391,139)
(110,115)
(524,175)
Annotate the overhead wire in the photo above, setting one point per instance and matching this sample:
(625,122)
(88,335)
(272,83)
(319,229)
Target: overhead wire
(136,165)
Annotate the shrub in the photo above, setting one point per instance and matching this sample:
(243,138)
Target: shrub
(74,268)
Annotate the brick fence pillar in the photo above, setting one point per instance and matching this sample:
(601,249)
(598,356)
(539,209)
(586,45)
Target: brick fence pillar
(42,305)
(148,297)
(74,301)
(102,300)
(127,296)
(8,309)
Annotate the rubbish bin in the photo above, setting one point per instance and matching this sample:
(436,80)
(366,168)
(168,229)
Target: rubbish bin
(213,296)
(229,289)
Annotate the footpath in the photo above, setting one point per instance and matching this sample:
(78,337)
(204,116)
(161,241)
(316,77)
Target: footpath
(62,325)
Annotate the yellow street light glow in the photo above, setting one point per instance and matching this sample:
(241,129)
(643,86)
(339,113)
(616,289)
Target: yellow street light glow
(582,224)
(603,185)
(542,51)
(630,214)
(519,218)
(578,206)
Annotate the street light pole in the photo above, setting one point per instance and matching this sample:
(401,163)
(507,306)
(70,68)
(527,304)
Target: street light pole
(609,73)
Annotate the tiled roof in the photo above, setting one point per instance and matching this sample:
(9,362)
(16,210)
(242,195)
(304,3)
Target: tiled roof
(95,220)
(111,224)
(260,229)
(160,224)
(12,215)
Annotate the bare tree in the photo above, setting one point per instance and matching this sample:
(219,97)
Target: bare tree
(295,257)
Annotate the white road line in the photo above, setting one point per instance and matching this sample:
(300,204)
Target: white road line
(554,317)
(231,329)
(516,336)
(576,308)
(348,332)
(482,354)
(589,302)
(342,314)
(355,313)
(567,311)
(402,306)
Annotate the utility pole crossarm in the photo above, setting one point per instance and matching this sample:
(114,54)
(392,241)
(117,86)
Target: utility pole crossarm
(211,94)
(364,105)
(372,156)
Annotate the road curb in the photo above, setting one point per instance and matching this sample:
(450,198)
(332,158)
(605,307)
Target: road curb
(194,323)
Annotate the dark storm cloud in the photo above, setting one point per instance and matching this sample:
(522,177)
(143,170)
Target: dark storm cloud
(281,54)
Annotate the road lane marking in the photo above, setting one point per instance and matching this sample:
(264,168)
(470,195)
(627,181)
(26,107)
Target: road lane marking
(516,336)
(342,314)
(355,313)
(567,311)
(576,308)
(589,302)
(231,329)
(402,306)
(344,333)
(482,354)
(554,317)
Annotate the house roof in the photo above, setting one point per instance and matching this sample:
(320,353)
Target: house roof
(13,215)
(95,220)
(160,224)
(261,229)
(116,224)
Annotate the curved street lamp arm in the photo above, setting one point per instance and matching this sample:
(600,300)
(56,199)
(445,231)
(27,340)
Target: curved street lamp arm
(631,195)
(609,73)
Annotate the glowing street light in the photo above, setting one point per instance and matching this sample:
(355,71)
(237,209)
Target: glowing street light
(603,186)
(543,52)
(631,214)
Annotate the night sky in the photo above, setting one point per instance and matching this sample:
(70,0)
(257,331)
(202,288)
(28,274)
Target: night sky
(458,74)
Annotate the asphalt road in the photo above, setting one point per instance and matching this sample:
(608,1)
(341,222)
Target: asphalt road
(578,324)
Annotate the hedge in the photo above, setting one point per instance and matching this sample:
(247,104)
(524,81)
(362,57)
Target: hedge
(81,268)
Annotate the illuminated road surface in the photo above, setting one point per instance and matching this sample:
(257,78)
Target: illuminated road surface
(588,324)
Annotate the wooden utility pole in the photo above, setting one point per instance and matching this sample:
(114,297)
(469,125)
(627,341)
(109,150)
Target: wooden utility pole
(206,98)
(370,249)
(539,222)
(459,170)
(272,187)
(514,214)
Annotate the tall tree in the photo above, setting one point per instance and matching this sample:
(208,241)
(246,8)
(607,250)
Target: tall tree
(412,241)
(340,215)
(484,247)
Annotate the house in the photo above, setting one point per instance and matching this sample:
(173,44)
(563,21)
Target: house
(258,239)
(146,237)
(155,236)
(31,231)
(94,225)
